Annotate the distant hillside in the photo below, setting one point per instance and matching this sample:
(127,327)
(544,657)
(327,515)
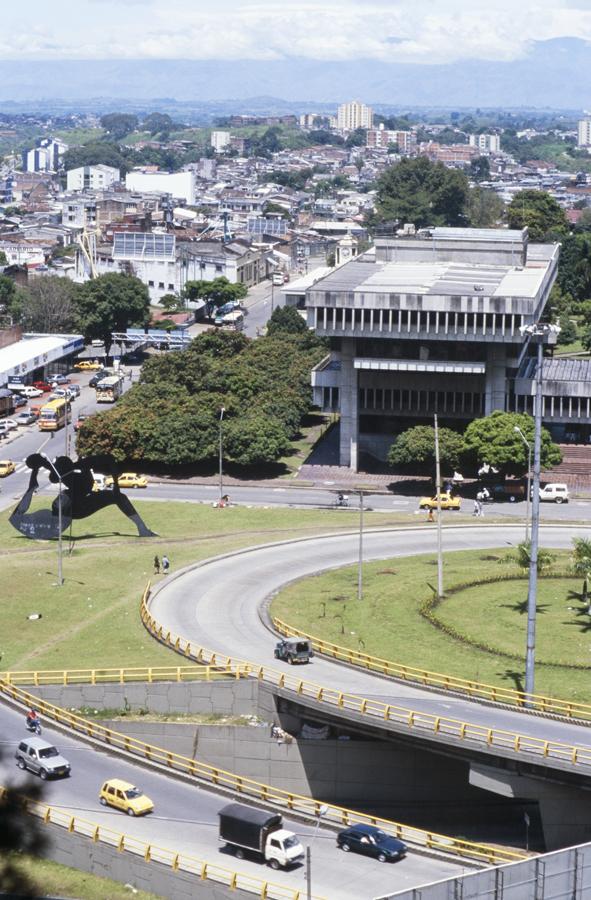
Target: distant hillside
(553,75)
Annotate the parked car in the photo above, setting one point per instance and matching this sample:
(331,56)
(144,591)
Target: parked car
(7,467)
(124,796)
(18,401)
(371,841)
(26,417)
(294,650)
(41,758)
(4,429)
(59,379)
(29,391)
(554,493)
(42,386)
(88,365)
(132,480)
(446,499)
(11,424)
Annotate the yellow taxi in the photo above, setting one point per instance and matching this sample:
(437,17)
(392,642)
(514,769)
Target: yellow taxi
(88,365)
(124,796)
(7,467)
(132,480)
(447,502)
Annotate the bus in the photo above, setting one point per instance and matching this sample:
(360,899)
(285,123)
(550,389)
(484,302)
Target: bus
(109,389)
(54,414)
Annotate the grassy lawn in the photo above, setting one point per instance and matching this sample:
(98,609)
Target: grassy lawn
(388,623)
(92,620)
(49,879)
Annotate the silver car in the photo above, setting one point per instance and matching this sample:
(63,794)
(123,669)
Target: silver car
(41,758)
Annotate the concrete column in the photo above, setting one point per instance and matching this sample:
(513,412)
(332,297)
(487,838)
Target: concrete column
(349,434)
(496,378)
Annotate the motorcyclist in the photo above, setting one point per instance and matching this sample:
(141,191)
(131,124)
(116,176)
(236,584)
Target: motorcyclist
(33,721)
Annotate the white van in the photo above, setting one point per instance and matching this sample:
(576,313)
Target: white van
(234,320)
(554,493)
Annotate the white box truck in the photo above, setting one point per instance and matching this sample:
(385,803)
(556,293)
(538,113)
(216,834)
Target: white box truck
(245,829)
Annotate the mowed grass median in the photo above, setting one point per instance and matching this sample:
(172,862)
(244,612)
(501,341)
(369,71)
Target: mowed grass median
(477,632)
(92,621)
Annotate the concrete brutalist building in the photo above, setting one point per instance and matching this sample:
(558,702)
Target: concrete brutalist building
(431,324)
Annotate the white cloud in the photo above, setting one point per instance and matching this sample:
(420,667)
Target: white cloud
(422,31)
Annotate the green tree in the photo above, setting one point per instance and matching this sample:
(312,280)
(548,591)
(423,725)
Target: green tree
(574,266)
(422,192)
(47,305)
(357,138)
(286,319)
(156,122)
(582,563)
(522,557)
(539,212)
(7,290)
(568,330)
(112,302)
(414,449)
(119,124)
(19,833)
(255,440)
(215,293)
(493,440)
(484,209)
(480,168)
(93,154)
(3,260)
(172,303)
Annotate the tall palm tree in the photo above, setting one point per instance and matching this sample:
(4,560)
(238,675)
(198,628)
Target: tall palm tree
(582,563)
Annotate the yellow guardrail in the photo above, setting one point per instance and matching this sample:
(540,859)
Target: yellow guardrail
(286,801)
(152,853)
(479,736)
(448,683)
(123,676)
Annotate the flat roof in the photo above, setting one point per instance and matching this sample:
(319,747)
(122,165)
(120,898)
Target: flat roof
(34,351)
(436,278)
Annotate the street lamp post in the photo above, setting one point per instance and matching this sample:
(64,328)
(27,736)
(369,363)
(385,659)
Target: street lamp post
(527,497)
(360,563)
(439,522)
(322,810)
(539,331)
(221,454)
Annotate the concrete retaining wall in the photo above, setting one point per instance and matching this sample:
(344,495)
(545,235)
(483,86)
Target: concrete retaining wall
(80,852)
(230,697)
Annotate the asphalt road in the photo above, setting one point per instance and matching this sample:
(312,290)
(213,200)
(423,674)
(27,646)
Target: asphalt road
(228,593)
(185,820)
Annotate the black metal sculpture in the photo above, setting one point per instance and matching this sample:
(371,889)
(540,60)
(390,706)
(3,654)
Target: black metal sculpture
(77,497)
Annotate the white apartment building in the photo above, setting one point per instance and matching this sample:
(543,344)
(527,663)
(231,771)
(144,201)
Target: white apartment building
(486,143)
(584,132)
(94,178)
(354,115)
(180,185)
(220,140)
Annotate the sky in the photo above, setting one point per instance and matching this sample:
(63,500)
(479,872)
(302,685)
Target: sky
(398,31)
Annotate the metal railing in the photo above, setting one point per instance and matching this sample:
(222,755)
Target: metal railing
(478,736)
(286,801)
(148,675)
(152,853)
(448,683)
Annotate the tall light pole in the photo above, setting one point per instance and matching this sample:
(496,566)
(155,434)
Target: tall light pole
(221,453)
(538,331)
(527,496)
(360,563)
(322,810)
(439,523)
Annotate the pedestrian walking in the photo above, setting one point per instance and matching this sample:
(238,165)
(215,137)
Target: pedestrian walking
(480,508)
(156,566)
(430,516)
(165,565)
(476,510)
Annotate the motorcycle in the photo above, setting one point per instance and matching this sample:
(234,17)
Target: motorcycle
(342,500)
(33,726)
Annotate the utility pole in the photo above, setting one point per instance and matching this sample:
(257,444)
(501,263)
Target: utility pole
(439,523)
(221,454)
(532,591)
(360,563)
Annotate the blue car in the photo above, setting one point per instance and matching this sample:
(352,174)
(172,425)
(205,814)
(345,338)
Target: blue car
(372,841)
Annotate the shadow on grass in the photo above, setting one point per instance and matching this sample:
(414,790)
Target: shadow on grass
(521,607)
(515,677)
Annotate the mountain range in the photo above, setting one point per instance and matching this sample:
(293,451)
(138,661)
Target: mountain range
(554,74)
